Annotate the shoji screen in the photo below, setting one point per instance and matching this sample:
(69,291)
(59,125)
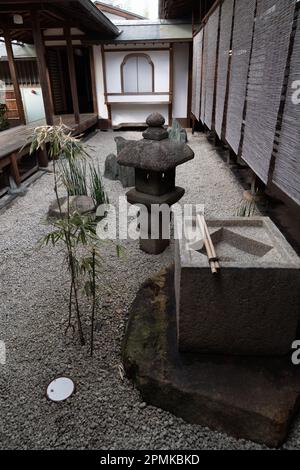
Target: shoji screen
(241,47)
(197,65)
(211,30)
(287,167)
(269,57)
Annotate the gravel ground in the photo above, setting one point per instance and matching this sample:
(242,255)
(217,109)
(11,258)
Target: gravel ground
(105,412)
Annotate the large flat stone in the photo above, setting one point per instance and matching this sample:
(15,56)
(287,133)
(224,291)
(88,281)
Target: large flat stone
(246,397)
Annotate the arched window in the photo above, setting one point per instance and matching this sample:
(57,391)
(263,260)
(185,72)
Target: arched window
(137,74)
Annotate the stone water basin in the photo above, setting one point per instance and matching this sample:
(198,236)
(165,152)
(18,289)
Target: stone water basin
(252,306)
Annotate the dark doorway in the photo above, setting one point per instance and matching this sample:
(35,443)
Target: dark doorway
(60,80)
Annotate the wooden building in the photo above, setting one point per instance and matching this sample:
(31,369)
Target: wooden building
(116,13)
(61,32)
(145,69)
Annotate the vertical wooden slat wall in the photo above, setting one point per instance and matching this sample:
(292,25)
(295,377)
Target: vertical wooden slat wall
(271,41)
(257,99)
(223,62)
(211,29)
(197,66)
(287,164)
(241,48)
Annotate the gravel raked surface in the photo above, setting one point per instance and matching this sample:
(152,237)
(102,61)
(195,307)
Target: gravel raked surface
(105,412)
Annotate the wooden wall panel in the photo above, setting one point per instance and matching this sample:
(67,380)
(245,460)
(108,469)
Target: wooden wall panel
(212,29)
(287,164)
(197,66)
(241,48)
(223,62)
(268,63)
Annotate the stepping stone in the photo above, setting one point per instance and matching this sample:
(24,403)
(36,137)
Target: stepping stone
(80,204)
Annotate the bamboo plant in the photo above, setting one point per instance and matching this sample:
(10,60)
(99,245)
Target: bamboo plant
(75,231)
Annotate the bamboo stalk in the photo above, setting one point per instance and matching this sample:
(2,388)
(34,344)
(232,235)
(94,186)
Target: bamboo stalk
(214,255)
(207,244)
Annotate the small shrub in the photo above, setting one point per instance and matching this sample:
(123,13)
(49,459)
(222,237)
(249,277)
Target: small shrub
(97,189)
(74,176)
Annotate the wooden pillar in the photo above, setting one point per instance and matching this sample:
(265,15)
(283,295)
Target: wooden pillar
(14,169)
(171,56)
(42,157)
(72,74)
(13,74)
(93,80)
(42,67)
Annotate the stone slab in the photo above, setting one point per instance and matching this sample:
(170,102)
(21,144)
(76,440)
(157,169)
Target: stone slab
(247,397)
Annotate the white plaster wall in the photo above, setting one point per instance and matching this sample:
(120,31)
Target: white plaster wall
(102,108)
(139,98)
(180,80)
(136,114)
(131,111)
(161,63)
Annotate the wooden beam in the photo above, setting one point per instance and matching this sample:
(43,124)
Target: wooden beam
(42,67)
(72,74)
(14,77)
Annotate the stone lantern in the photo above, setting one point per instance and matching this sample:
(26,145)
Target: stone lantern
(154,159)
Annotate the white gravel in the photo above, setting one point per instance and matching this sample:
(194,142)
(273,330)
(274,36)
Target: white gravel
(105,412)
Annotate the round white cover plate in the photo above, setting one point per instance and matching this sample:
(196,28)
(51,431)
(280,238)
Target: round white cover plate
(60,389)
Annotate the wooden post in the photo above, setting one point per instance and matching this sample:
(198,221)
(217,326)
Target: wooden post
(42,67)
(171,86)
(93,80)
(14,169)
(42,156)
(72,74)
(105,85)
(13,74)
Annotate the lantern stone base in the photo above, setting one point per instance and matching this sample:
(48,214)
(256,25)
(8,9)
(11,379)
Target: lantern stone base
(253,398)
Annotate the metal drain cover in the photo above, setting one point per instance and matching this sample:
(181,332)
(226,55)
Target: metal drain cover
(60,389)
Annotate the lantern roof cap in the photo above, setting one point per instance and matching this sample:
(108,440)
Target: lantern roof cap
(157,154)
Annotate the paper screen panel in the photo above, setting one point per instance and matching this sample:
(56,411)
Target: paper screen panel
(197,65)
(223,62)
(241,47)
(287,167)
(212,28)
(271,42)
